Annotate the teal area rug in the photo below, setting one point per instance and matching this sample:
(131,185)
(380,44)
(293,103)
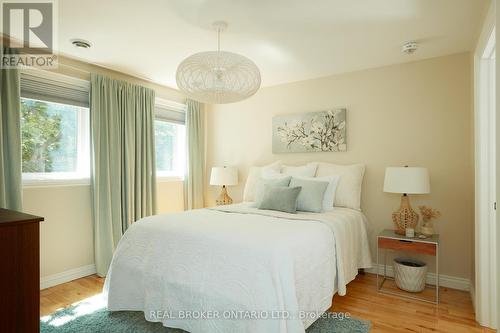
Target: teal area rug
(91,316)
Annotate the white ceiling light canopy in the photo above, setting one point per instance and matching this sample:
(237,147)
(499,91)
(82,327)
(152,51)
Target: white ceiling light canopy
(218,77)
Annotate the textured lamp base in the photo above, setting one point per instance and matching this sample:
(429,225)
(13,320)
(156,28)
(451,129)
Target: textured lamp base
(224,198)
(405,217)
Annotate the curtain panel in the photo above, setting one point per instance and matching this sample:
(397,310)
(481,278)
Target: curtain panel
(123,161)
(195,166)
(10,138)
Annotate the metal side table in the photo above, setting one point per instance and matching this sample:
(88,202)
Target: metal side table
(389,240)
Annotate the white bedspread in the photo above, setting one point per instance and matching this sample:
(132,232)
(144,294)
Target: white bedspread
(239,268)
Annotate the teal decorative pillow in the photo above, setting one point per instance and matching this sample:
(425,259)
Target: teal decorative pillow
(281,198)
(259,189)
(311,197)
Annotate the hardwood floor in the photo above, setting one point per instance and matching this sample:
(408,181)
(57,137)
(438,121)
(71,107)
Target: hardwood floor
(63,295)
(454,314)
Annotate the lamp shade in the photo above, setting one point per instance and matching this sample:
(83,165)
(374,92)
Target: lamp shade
(224,176)
(409,180)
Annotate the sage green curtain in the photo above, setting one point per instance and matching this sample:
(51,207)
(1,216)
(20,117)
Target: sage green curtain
(10,138)
(123,161)
(195,166)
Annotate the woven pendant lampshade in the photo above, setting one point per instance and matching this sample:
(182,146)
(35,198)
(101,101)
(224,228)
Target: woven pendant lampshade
(218,77)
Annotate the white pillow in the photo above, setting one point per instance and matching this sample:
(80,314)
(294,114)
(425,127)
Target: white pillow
(348,192)
(329,196)
(254,174)
(308,170)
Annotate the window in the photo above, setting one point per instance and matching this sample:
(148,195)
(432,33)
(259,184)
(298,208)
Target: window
(55,141)
(170,149)
(170,139)
(55,134)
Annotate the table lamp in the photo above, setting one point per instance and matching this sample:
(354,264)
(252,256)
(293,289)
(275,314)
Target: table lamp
(406,180)
(224,176)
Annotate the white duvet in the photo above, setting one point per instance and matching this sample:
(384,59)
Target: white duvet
(237,269)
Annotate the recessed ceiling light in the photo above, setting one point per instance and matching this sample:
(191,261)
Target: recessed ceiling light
(81,43)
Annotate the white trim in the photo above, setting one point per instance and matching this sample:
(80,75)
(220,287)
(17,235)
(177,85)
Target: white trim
(448,281)
(489,49)
(484,290)
(167,179)
(83,144)
(56,182)
(69,275)
(473,295)
(54,178)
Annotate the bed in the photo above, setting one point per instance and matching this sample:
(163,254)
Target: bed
(237,268)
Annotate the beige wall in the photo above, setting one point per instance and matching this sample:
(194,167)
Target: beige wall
(66,235)
(170,196)
(415,114)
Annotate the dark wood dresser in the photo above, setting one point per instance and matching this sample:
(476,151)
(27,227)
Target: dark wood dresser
(19,272)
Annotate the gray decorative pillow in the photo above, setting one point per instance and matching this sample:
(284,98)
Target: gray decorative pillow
(311,197)
(281,198)
(259,188)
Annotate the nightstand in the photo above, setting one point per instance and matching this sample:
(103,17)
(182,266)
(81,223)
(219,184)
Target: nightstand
(389,240)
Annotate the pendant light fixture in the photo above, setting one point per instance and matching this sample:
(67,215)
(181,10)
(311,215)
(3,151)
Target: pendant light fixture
(218,77)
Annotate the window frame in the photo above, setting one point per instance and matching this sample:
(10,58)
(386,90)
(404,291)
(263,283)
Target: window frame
(168,111)
(165,110)
(82,175)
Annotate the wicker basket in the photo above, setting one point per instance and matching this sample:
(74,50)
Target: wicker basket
(410,274)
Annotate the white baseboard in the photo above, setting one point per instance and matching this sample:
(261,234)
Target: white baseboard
(72,274)
(448,281)
(473,295)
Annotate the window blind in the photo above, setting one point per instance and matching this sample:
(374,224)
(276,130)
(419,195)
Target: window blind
(54,88)
(170,111)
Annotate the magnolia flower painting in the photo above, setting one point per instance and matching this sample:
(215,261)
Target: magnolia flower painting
(310,132)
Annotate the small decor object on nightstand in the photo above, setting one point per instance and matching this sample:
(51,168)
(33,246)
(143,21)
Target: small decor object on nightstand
(224,176)
(406,180)
(410,232)
(428,214)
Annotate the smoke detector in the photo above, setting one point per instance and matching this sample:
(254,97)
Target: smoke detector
(81,43)
(409,47)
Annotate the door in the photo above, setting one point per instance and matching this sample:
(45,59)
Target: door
(486,265)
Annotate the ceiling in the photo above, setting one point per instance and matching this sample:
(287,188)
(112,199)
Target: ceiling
(289,40)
